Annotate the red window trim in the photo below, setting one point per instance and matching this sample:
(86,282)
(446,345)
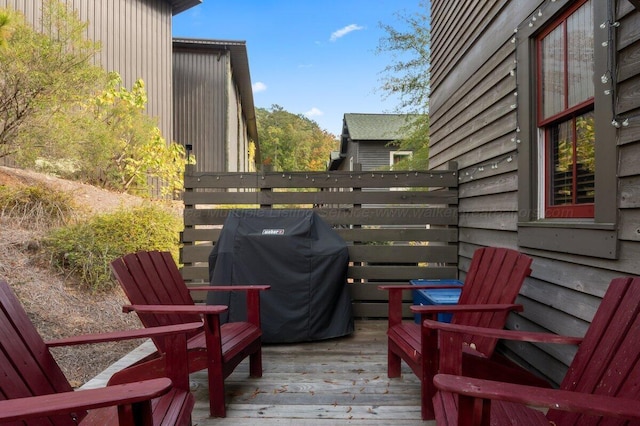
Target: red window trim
(570,211)
(577,211)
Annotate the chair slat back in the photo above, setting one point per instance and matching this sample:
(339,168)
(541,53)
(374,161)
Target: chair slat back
(495,275)
(608,360)
(153,278)
(27,367)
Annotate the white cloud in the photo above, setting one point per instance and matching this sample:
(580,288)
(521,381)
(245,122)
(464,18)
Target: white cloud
(313,112)
(344,31)
(259,86)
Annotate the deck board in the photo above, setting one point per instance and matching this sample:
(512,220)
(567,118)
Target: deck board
(337,381)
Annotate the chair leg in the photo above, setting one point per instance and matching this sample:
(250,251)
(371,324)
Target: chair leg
(393,364)
(255,364)
(427,391)
(216,393)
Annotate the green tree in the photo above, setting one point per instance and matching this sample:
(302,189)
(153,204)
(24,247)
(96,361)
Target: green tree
(122,146)
(41,71)
(407,77)
(290,142)
(59,112)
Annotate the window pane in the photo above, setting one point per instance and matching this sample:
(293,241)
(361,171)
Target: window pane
(552,50)
(580,55)
(561,147)
(585,158)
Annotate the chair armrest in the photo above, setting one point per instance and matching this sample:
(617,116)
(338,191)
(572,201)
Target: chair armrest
(68,402)
(176,309)
(418,287)
(230,288)
(523,336)
(124,335)
(253,298)
(584,403)
(395,298)
(497,307)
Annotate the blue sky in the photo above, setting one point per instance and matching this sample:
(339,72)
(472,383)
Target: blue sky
(315,58)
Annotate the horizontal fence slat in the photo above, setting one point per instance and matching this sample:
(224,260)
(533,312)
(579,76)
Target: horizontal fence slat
(371,292)
(399,272)
(359,253)
(378,273)
(445,235)
(334,179)
(403,254)
(191,235)
(322,198)
(196,253)
(347,216)
(197,273)
(377,310)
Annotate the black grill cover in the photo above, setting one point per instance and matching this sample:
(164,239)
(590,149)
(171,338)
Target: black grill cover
(303,260)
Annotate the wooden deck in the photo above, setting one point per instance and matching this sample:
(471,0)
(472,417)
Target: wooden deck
(337,381)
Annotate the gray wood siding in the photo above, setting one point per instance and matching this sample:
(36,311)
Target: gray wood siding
(373,155)
(474,120)
(135,36)
(201,102)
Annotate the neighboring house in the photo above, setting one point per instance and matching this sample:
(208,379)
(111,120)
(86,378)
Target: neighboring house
(213,104)
(135,36)
(136,41)
(366,142)
(538,103)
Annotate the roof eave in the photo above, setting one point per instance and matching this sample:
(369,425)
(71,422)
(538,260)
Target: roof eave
(179,6)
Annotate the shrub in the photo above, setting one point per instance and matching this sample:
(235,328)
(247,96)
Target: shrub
(86,249)
(37,206)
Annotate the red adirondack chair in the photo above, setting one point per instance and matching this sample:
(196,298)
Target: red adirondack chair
(491,286)
(158,294)
(600,387)
(34,390)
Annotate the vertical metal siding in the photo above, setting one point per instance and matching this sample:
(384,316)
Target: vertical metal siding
(200,117)
(234,142)
(136,41)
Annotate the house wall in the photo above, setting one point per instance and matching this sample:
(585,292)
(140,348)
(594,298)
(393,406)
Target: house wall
(136,42)
(201,97)
(477,119)
(373,155)
(209,110)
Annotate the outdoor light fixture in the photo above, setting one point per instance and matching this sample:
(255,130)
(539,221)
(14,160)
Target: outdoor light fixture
(635,3)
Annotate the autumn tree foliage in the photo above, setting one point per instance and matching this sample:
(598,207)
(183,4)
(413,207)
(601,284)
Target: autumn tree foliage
(292,142)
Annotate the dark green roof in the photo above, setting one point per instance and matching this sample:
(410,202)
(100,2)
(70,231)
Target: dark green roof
(372,127)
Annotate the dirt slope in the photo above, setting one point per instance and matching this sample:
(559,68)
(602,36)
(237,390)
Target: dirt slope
(53,303)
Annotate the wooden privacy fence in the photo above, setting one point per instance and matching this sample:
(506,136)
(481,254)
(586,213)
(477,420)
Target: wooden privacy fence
(398,226)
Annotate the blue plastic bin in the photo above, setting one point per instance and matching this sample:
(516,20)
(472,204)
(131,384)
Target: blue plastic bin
(440,296)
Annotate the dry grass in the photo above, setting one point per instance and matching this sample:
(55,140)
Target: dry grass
(53,302)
